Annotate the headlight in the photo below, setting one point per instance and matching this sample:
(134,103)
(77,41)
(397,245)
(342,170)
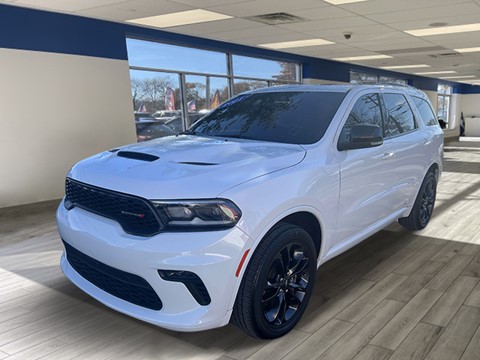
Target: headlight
(189,214)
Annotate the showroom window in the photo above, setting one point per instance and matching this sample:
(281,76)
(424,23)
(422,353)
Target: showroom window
(444,98)
(174,86)
(370,79)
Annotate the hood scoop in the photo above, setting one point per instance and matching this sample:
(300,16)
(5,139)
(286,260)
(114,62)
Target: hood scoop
(137,156)
(196,163)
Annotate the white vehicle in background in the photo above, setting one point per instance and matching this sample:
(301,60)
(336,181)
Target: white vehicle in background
(231,219)
(165,115)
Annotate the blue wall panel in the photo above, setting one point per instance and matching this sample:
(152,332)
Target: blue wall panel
(28,29)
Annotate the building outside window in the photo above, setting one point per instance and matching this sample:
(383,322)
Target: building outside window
(365,78)
(444,98)
(174,86)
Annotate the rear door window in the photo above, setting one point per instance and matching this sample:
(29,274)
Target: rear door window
(400,118)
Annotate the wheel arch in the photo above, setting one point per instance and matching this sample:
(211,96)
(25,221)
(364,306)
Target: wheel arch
(307,218)
(309,222)
(435,168)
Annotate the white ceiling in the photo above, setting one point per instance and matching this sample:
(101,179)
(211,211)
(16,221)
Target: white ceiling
(377,26)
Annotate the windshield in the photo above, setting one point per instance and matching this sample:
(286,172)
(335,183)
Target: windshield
(286,117)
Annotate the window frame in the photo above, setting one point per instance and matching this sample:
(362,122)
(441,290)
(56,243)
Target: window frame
(444,96)
(230,76)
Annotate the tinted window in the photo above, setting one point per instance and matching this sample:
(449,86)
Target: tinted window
(366,111)
(400,118)
(287,117)
(425,110)
(264,69)
(150,54)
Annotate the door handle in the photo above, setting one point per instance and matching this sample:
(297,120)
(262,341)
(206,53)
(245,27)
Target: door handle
(387,155)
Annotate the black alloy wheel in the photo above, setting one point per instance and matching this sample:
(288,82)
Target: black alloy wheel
(285,285)
(427,202)
(422,209)
(277,283)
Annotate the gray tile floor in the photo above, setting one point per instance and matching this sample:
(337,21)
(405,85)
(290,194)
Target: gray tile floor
(398,295)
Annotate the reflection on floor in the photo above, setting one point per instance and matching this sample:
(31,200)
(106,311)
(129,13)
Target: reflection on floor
(398,295)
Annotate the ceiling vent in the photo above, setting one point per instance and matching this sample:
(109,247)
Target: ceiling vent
(276,18)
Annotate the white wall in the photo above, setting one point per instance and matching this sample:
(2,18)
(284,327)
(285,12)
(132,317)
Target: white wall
(471,105)
(453,130)
(56,109)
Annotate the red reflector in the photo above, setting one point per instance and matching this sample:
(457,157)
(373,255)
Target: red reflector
(241,263)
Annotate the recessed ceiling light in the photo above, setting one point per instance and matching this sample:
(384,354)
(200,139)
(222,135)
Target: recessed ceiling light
(444,30)
(436,72)
(458,77)
(365,57)
(404,67)
(340,2)
(467,50)
(297,43)
(180,18)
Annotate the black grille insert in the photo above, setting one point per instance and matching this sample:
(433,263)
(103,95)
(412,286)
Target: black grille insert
(126,286)
(134,214)
(191,280)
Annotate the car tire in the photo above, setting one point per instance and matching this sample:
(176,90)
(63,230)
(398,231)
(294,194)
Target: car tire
(277,283)
(423,206)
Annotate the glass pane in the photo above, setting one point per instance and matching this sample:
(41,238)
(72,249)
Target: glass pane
(286,117)
(156,99)
(265,69)
(218,91)
(196,90)
(171,57)
(362,78)
(426,112)
(440,106)
(392,80)
(400,117)
(240,86)
(444,89)
(446,109)
(366,111)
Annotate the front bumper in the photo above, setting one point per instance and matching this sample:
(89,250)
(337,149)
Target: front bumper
(212,255)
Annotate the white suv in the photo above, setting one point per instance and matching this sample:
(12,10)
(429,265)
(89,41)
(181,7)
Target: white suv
(231,219)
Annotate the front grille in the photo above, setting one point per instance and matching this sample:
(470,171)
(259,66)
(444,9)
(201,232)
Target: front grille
(126,286)
(134,214)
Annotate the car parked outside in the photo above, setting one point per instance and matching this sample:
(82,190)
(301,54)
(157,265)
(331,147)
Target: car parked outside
(165,115)
(230,220)
(143,116)
(152,130)
(177,122)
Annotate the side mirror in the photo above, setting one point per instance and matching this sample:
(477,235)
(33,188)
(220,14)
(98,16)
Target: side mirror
(362,136)
(442,123)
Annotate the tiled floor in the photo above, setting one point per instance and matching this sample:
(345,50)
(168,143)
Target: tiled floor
(398,295)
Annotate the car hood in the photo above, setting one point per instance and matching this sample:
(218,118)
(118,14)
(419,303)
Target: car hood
(187,167)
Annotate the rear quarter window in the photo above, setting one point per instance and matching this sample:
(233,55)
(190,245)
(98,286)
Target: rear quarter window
(426,111)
